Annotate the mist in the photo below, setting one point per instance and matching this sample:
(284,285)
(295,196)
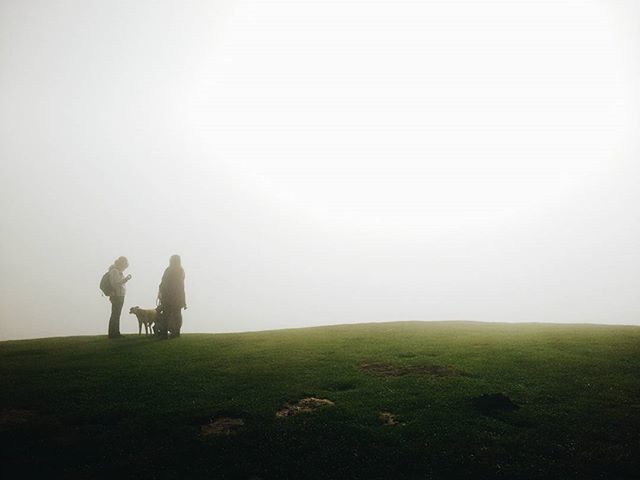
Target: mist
(320,162)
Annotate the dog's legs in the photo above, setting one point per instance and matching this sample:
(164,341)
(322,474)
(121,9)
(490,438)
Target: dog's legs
(139,326)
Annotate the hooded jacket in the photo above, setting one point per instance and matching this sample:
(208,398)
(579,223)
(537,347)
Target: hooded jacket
(171,291)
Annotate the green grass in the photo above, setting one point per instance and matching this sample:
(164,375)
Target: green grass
(86,407)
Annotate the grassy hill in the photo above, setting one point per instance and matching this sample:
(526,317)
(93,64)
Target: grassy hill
(406,402)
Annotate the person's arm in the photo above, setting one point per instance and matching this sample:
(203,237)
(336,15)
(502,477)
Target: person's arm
(162,284)
(116,280)
(184,296)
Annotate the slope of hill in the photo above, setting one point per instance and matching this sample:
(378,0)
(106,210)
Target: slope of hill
(394,400)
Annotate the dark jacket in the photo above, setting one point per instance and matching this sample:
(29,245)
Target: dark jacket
(171,290)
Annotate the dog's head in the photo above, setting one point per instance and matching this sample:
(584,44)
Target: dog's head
(134,310)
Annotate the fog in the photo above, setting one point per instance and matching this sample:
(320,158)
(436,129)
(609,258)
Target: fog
(318,162)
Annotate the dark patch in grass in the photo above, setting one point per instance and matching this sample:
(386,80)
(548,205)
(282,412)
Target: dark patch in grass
(391,370)
(406,355)
(12,417)
(491,403)
(341,386)
(523,423)
(383,369)
(107,417)
(23,423)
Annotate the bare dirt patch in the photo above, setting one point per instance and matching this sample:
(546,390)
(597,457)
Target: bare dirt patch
(306,405)
(221,427)
(391,370)
(383,369)
(388,418)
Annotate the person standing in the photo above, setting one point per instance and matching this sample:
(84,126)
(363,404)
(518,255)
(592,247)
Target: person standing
(172,298)
(118,290)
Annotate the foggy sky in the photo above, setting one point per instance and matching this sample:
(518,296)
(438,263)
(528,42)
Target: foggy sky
(318,162)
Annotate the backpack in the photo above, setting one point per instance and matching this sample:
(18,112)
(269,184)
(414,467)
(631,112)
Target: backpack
(105,285)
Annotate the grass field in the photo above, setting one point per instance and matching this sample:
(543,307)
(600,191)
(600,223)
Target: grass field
(403,404)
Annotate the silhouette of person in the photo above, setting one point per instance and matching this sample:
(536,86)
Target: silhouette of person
(172,298)
(117,281)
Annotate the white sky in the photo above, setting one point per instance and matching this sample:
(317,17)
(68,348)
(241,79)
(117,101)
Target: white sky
(320,162)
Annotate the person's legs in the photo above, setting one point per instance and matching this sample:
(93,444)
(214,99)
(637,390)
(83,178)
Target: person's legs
(170,315)
(112,318)
(178,321)
(161,322)
(114,321)
(174,319)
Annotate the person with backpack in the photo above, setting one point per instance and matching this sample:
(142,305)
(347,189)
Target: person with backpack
(172,299)
(113,285)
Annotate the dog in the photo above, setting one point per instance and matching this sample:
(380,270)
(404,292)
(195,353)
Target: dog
(146,317)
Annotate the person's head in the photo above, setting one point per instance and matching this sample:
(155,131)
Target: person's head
(121,263)
(175,261)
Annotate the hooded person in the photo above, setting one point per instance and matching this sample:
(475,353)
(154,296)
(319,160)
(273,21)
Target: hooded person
(172,298)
